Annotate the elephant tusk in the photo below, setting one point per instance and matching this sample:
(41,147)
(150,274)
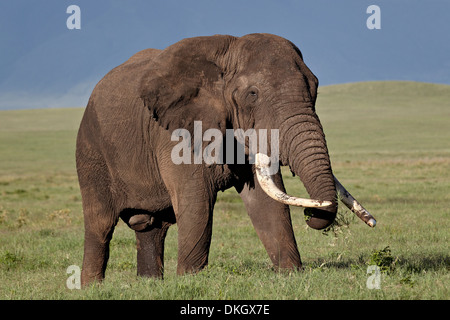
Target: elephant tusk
(266,182)
(354,205)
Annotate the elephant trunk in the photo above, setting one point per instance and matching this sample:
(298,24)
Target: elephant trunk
(304,148)
(263,173)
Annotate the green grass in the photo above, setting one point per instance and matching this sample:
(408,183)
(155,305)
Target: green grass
(389,144)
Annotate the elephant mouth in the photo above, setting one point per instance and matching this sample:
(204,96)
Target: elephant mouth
(262,165)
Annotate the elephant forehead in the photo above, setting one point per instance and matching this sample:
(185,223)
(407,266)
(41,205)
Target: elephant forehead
(242,81)
(253,77)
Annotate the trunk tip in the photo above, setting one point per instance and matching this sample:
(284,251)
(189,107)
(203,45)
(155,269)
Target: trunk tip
(319,219)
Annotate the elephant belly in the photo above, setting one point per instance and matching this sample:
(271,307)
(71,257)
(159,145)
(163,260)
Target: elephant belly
(137,189)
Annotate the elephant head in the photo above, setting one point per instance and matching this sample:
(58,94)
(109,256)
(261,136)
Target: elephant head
(256,81)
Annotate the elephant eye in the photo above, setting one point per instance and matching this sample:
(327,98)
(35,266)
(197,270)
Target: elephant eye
(252,94)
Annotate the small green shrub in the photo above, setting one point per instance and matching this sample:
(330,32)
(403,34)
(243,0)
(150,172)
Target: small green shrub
(10,260)
(383,259)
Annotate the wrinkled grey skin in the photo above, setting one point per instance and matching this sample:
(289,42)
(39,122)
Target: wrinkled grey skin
(124,148)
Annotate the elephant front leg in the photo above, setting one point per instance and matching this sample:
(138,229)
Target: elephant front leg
(272,222)
(193,202)
(194,236)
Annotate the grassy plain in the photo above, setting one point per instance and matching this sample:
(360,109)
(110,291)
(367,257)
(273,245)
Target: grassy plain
(390,146)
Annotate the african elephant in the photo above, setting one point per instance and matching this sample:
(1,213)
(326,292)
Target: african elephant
(124,148)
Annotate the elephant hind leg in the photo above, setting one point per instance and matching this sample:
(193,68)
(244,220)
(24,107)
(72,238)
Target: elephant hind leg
(151,230)
(96,255)
(150,245)
(99,228)
(100,219)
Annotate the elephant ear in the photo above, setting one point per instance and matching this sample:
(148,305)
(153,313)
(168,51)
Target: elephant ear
(185,84)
